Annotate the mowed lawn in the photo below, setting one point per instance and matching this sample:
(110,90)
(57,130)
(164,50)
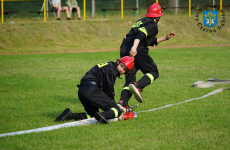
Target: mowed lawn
(36,88)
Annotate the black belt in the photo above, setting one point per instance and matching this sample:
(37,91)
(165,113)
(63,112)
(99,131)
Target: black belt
(88,83)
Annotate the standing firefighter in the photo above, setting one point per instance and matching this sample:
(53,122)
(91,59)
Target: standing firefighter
(97,91)
(142,34)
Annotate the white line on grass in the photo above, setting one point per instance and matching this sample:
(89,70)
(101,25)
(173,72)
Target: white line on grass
(94,121)
(189,100)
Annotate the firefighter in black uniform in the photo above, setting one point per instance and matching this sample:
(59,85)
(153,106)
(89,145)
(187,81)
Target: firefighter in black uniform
(142,34)
(96,90)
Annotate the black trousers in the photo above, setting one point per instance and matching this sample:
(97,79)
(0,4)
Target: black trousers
(143,62)
(93,98)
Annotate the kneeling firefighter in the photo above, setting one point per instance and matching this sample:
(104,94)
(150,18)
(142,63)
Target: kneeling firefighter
(96,90)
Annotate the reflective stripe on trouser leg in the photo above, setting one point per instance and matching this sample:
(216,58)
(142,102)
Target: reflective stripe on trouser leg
(115,112)
(151,77)
(88,116)
(126,94)
(147,79)
(112,113)
(126,88)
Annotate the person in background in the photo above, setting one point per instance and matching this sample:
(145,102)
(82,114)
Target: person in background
(96,90)
(56,6)
(73,4)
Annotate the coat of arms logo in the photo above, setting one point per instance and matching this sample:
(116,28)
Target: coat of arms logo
(210,18)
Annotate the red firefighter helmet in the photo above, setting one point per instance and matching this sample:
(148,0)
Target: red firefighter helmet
(128,62)
(154,11)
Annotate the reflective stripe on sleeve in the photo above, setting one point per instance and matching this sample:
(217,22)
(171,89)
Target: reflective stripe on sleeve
(142,29)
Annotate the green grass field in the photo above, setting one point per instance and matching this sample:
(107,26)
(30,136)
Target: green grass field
(36,88)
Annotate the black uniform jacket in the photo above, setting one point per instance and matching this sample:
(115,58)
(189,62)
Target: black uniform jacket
(145,29)
(104,75)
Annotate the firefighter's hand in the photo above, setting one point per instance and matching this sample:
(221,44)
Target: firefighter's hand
(170,35)
(133,52)
(121,117)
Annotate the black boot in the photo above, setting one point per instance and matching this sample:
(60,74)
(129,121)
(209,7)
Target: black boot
(101,118)
(66,115)
(123,103)
(78,116)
